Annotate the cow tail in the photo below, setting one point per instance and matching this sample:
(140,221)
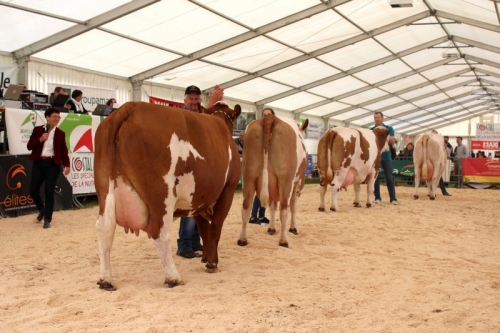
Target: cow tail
(425,140)
(329,145)
(268,124)
(115,123)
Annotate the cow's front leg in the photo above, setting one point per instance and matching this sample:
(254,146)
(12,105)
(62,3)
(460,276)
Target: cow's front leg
(105,234)
(284,234)
(245,218)
(357,189)
(335,192)
(370,187)
(272,218)
(322,192)
(162,243)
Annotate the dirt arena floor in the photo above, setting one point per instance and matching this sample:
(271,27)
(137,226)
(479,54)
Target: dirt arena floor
(421,266)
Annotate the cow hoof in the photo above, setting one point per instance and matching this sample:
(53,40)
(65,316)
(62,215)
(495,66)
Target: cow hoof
(171,283)
(242,242)
(293,231)
(211,268)
(271,231)
(415,197)
(284,244)
(105,285)
(368,205)
(432,198)
(321,209)
(356,204)
(204,260)
(333,209)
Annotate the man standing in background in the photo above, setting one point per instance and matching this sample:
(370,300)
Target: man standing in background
(386,162)
(460,152)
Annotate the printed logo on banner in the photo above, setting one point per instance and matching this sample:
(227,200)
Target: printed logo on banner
(27,130)
(15,179)
(78,129)
(82,173)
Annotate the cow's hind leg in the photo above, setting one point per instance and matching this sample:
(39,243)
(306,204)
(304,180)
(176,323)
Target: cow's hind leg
(294,204)
(283,217)
(106,226)
(221,209)
(162,243)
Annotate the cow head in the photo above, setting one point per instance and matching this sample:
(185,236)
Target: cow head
(382,135)
(224,112)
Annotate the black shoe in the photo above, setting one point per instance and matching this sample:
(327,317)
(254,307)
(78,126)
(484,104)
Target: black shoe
(39,218)
(198,248)
(46,225)
(264,220)
(447,194)
(189,254)
(254,220)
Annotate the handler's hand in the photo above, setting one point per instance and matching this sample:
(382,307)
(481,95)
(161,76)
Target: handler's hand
(66,171)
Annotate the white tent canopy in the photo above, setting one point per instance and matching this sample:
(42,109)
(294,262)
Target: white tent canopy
(433,65)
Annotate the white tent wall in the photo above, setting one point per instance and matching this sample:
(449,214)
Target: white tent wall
(6,59)
(41,74)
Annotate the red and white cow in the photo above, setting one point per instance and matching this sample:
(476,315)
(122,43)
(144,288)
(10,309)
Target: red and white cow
(347,156)
(155,163)
(429,160)
(274,165)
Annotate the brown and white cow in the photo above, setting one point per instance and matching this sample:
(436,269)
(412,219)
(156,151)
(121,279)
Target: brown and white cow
(350,156)
(274,164)
(429,160)
(156,163)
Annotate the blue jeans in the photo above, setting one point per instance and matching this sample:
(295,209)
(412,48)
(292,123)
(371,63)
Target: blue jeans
(257,208)
(389,180)
(189,238)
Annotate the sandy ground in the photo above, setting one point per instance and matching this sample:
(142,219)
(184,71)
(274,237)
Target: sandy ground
(421,266)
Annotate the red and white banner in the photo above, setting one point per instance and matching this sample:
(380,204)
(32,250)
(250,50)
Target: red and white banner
(81,176)
(165,102)
(481,170)
(485,145)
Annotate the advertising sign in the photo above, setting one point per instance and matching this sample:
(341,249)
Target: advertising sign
(81,176)
(485,145)
(481,170)
(8,75)
(15,176)
(488,132)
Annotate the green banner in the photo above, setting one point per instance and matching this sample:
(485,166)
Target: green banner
(400,168)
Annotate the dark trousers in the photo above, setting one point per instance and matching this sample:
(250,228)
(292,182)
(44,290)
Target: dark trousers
(389,180)
(442,186)
(256,208)
(48,171)
(189,238)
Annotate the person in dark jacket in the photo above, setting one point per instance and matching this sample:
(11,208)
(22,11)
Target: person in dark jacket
(75,102)
(48,153)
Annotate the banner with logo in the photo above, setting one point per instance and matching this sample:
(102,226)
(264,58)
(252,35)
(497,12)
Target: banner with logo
(488,132)
(91,96)
(165,102)
(81,176)
(8,75)
(481,170)
(15,176)
(485,145)
(79,128)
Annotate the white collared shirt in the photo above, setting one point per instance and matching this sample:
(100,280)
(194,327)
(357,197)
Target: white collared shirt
(48,145)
